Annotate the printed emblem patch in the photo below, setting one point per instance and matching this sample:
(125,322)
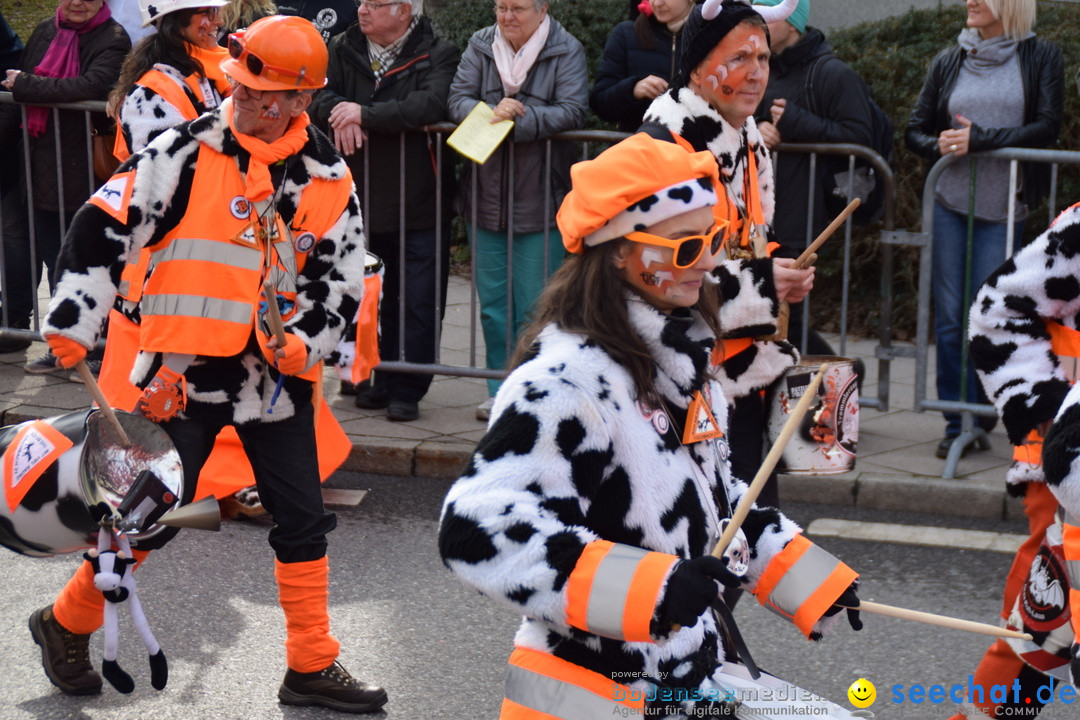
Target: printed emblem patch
(304,242)
(240,207)
(36,446)
(115,195)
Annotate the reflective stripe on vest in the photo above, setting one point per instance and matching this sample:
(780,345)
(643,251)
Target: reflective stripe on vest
(1065,342)
(803,581)
(540,686)
(614,588)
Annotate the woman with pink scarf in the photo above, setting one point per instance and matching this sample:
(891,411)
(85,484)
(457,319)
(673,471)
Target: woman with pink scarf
(528,69)
(72,56)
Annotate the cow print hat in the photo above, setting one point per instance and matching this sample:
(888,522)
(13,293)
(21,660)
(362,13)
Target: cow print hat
(634,184)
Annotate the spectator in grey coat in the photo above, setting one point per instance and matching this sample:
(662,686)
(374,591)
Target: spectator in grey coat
(528,69)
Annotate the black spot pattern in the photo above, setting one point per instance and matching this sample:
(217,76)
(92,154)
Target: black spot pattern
(520,532)
(512,433)
(463,539)
(1062,288)
(643,204)
(563,551)
(987,356)
(684,194)
(688,506)
(521,595)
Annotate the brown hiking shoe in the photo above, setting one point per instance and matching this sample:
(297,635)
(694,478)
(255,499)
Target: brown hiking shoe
(64,655)
(331,687)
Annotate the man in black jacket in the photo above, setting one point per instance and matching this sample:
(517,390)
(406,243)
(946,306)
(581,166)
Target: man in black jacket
(389,76)
(812,97)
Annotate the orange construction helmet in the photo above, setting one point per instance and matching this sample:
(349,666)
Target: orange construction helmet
(279,52)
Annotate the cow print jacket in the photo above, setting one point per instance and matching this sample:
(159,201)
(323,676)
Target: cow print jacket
(572,456)
(1010,348)
(97,245)
(687,114)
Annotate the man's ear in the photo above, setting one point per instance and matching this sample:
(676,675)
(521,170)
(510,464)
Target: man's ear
(301,103)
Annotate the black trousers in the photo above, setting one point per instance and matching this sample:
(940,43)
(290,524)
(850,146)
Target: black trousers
(283,455)
(424,295)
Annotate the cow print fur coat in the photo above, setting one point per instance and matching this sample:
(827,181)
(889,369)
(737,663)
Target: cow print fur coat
(97,245)
(1010,348)
(687,114)
(571,456)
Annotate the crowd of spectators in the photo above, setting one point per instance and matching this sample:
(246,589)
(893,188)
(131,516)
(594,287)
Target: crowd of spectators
(391,74)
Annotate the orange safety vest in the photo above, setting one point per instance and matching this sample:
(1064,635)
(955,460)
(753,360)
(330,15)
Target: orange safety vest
(1065,342)
(202,295)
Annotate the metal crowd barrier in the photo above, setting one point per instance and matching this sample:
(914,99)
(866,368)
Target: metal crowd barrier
(10,205)
(970,432)
(590,141)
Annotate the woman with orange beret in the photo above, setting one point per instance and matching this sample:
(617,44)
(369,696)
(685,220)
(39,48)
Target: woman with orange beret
(593,502)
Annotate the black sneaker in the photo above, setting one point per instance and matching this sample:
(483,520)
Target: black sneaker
(331,687)
(13,343)
(64,655)
(402,410)
(372,397)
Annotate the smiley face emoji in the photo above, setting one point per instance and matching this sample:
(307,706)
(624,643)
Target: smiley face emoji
(862,693)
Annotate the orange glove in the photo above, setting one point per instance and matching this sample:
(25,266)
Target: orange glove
(67,351)
(289,360)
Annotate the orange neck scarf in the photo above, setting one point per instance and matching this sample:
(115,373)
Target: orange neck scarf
(211,64)
(264,154)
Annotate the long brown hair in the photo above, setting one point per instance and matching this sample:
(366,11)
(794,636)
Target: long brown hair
(166,46)
(587,295)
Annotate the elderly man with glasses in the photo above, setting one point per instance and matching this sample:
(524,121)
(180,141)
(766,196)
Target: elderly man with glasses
(245,197)
(389,76)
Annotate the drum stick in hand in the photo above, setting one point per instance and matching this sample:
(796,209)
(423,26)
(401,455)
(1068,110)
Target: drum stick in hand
(939,620)
(273,314)
(769,463)
(801,261)
(99,397)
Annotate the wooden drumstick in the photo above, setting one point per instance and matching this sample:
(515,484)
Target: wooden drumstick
(769,463)
(784,314)
(99,397)
(939,620)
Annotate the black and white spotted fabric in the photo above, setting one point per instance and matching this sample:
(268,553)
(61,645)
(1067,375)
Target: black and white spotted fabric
(571,456)
(1009,341)
(97,245)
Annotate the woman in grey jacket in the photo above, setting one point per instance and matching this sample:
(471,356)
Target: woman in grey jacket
(999,86)
(529,69)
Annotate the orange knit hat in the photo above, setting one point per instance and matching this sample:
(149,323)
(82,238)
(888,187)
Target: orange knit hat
(605,201)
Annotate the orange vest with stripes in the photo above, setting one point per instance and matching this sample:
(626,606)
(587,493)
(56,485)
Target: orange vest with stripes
(202,296)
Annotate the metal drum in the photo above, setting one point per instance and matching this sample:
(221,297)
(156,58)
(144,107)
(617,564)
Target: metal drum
(826,440)
(61,476)
(770,698)
(357,353)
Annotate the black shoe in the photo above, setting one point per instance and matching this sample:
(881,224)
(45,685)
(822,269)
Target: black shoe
(347,388)
(402,410)
(945,444)
(372,397)
(13,343)
(331,687)
(64,655)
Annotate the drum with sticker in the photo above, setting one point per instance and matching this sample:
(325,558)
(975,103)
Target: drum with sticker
(62,475)
(827,438)
(358,352)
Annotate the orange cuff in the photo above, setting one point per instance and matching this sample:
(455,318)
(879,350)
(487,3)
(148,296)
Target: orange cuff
(67,351)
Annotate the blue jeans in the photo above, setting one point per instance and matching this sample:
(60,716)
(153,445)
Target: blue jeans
(950,305)
(492,254)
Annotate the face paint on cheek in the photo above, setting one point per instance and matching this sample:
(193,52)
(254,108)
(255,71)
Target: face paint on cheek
(272,111)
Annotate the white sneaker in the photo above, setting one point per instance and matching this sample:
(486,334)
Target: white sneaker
(483,410)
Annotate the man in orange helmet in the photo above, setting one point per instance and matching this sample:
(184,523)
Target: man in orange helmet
(245,197)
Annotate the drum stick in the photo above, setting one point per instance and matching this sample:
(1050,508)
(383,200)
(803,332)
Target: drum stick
(826,234)
(99,397)
(273,314)
(939,620)
(769,463)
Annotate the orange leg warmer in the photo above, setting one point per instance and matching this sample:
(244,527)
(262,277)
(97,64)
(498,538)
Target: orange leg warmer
(999,666)
(80,606)
(303,591)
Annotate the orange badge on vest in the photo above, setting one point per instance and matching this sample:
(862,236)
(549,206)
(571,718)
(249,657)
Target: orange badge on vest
(115,195)
(700,422)
(35,447)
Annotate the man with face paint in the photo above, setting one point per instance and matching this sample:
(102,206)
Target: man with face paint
(244,197)
(812,97)
(722,79)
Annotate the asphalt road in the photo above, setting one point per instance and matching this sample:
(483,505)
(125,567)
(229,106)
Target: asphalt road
(439,649)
